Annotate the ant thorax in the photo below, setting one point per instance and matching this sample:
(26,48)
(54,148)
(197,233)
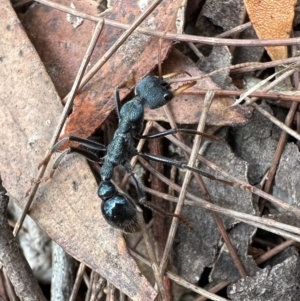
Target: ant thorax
(131,117)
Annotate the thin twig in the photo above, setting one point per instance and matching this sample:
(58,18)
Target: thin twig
(119,42)
(174,36)
(14,263)
(215,289)
(78,280)
(256,221)
(207,102)
(278,96)
(240,184)
(63,118)
(181,281)
(10,289)
(261,259)
(98,286)
(265,65)
(150,251)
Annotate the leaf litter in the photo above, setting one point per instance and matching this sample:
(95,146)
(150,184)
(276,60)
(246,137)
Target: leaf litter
(68,213)
(208,251)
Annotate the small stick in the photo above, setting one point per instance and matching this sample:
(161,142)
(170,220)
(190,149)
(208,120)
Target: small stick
(78,280)
(181,281)
(174,36)
(215,289)
(197,142)
(15,265)
(58,129)
(267,224)
(150,250)
(278,96)
(261,259)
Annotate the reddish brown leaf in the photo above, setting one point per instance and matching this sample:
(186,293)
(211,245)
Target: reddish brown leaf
(138,55)
(60,46)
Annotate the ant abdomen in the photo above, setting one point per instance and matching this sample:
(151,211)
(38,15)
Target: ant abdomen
(118,209)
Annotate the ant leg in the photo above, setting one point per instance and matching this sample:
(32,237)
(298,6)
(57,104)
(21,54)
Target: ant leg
(85,153)
(85,142)
(137,182)
(174,131)
(142,200)
(117,101)
(125,84)
(180,164)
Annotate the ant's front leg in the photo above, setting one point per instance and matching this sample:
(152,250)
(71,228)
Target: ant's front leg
(117,98)
(174,131)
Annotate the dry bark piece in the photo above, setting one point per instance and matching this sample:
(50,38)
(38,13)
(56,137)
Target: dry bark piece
(198,249)
(287,176)
(187,108)
(280,282)
(248,54)
(220,57)
(224,267)
(225,14)
(67,207)
(256,143)
(272,19)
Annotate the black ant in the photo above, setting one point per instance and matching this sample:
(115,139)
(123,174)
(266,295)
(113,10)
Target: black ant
(118,209)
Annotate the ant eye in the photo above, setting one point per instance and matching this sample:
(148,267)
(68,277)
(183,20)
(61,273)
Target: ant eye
(168,96)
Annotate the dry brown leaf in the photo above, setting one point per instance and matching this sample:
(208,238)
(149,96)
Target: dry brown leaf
(138,55)
(67,207)
(272,19)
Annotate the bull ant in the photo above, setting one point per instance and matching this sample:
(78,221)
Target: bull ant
(118,209)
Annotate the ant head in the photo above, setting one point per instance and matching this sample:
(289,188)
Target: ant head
(153,91)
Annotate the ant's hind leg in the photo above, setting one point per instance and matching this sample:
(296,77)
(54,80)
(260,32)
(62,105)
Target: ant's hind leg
(142,200)
(184,165)
(85,153)
(92,145)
